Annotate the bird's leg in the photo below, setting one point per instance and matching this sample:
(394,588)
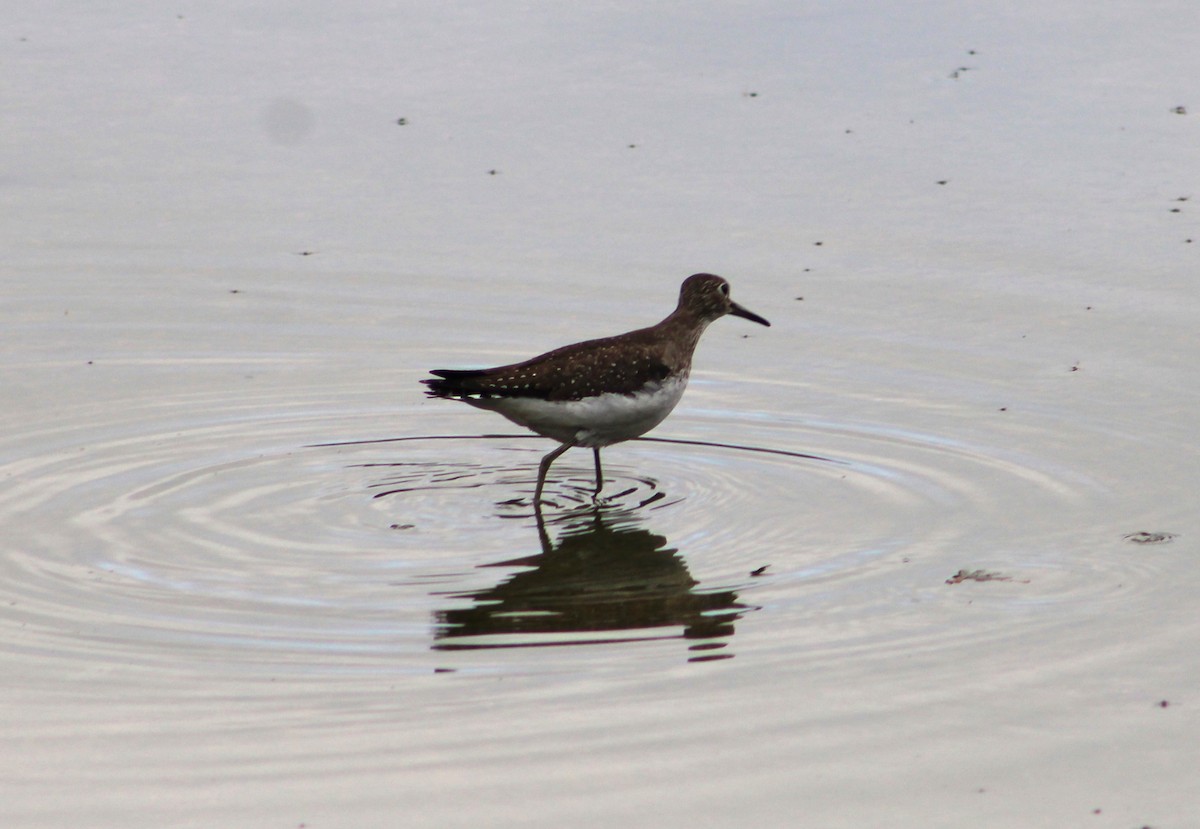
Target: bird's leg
(543,468)
(543,535)
(599,473)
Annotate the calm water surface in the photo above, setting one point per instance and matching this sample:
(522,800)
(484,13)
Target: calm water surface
(229,565)
(921,554)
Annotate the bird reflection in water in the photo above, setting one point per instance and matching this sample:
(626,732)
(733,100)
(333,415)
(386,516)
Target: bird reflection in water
(605,580)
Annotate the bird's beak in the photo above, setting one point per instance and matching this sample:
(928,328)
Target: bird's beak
(739,311)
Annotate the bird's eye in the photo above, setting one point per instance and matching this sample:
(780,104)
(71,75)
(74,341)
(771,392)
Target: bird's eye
(725,288)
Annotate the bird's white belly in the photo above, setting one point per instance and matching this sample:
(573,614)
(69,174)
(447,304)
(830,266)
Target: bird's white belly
(593,421)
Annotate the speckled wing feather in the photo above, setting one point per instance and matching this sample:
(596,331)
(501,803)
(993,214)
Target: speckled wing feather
(624,365)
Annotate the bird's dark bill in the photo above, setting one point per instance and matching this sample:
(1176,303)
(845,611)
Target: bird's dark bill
(739,311)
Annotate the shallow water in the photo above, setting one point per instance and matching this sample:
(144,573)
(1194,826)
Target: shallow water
(922,553)
(313,578)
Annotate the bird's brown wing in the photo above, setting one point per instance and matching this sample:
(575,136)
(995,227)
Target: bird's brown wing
(619,365)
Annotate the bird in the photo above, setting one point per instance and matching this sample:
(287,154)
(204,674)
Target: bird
(595,393)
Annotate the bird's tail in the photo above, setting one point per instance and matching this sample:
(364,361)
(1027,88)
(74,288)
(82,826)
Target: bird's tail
(451,382)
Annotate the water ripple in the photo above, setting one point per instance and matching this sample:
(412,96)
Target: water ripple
(241,540)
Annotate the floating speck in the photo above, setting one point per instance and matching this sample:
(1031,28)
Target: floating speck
(1144,537)
(979,575)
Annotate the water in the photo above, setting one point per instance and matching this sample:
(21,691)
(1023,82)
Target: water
(230,568)
(922,553)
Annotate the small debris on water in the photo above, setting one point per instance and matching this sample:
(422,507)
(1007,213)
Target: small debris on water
(1144,537)
(980,575)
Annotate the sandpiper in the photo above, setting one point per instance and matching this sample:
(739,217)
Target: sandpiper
(598,392)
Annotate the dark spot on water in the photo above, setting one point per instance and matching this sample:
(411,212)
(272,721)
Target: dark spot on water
(980,575)
(1144,537)
(760,570)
